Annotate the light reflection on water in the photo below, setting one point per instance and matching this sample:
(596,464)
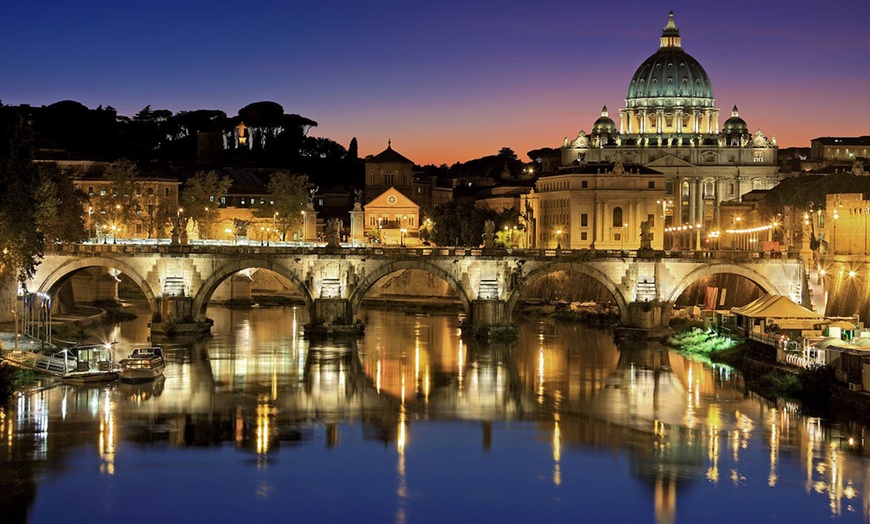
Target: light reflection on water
(411,424)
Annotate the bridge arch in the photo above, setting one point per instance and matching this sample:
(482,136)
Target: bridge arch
(208,287)
(370,279)
(713,269)
(578,267)
(55,279)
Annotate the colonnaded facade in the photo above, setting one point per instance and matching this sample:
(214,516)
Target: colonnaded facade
(669,126)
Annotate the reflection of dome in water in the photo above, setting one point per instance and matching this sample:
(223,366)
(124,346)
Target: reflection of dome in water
(670,77)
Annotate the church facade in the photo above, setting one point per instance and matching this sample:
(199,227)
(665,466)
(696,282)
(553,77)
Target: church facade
(670,125)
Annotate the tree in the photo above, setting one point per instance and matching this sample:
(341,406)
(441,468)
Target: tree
(201,198)
(460,224)
(61,218)
(38,203)
(290,194)
(353,150)
(117,208)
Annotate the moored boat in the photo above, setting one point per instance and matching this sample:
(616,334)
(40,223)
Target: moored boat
(142,365)
(94,364)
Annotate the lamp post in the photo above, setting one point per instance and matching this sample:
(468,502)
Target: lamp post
(558,239)
(402,240)
(737,233)
(275,224)
(380,223)
(624,232)
(90,219)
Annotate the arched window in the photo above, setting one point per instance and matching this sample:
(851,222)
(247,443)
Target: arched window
(617,217)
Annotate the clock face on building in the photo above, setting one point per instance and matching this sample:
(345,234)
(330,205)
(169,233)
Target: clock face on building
(391,199)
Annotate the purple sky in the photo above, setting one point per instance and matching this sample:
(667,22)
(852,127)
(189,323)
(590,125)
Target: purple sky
(447,81)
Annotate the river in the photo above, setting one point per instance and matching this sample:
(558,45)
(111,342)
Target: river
(413,425)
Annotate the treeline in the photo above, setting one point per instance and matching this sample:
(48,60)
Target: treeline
(167,141)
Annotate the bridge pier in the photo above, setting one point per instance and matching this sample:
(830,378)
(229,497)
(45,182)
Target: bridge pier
(330,310)
(333,317)
(646,320)
(487,312)
(488,319)
(176,318)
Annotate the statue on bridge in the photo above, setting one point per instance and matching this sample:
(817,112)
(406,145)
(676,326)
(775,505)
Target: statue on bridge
(488,233)
(646,234)
(333,232)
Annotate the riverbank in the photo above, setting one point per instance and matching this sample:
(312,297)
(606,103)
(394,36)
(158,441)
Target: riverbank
(816,390)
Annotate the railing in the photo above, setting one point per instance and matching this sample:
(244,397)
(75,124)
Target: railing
(797,360)
(294,248)
(770,340)
(51,364)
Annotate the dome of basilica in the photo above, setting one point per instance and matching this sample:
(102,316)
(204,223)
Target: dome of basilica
(604,125)
(735,124)
(670,77)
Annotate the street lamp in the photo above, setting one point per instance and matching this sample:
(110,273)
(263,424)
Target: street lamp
(403,231)
(90,218)
(275,223)
(624,232)
(558,239)
(737,233)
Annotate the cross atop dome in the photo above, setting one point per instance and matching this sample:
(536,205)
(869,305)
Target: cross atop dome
(671,34)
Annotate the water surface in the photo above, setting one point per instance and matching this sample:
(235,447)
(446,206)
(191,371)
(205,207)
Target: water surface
(411,424)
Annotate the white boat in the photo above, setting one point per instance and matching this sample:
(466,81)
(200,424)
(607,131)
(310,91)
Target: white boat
(142,365)
(94,364)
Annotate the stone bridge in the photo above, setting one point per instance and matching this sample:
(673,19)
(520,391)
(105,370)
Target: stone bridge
(179,280)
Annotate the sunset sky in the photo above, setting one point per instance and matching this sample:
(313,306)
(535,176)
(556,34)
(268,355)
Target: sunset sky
(447,81)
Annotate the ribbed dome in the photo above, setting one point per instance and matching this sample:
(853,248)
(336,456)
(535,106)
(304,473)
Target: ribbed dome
(670,77)
(735,124)
(604,124)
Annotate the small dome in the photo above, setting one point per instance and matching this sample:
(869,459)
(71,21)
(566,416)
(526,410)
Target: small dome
(604,124)
(735,124)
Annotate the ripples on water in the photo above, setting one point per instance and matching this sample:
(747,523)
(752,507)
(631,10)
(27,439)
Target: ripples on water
(411,424)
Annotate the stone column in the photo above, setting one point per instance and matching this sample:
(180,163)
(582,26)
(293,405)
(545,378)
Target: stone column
(357,224)
(309,224)
(678,202)
(678,120)
(692,200)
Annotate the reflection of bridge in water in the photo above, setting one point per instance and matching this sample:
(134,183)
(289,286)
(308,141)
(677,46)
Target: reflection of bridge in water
(179,281)
(675,419)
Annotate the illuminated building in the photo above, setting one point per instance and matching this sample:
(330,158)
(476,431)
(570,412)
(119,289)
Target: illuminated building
(670,124)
